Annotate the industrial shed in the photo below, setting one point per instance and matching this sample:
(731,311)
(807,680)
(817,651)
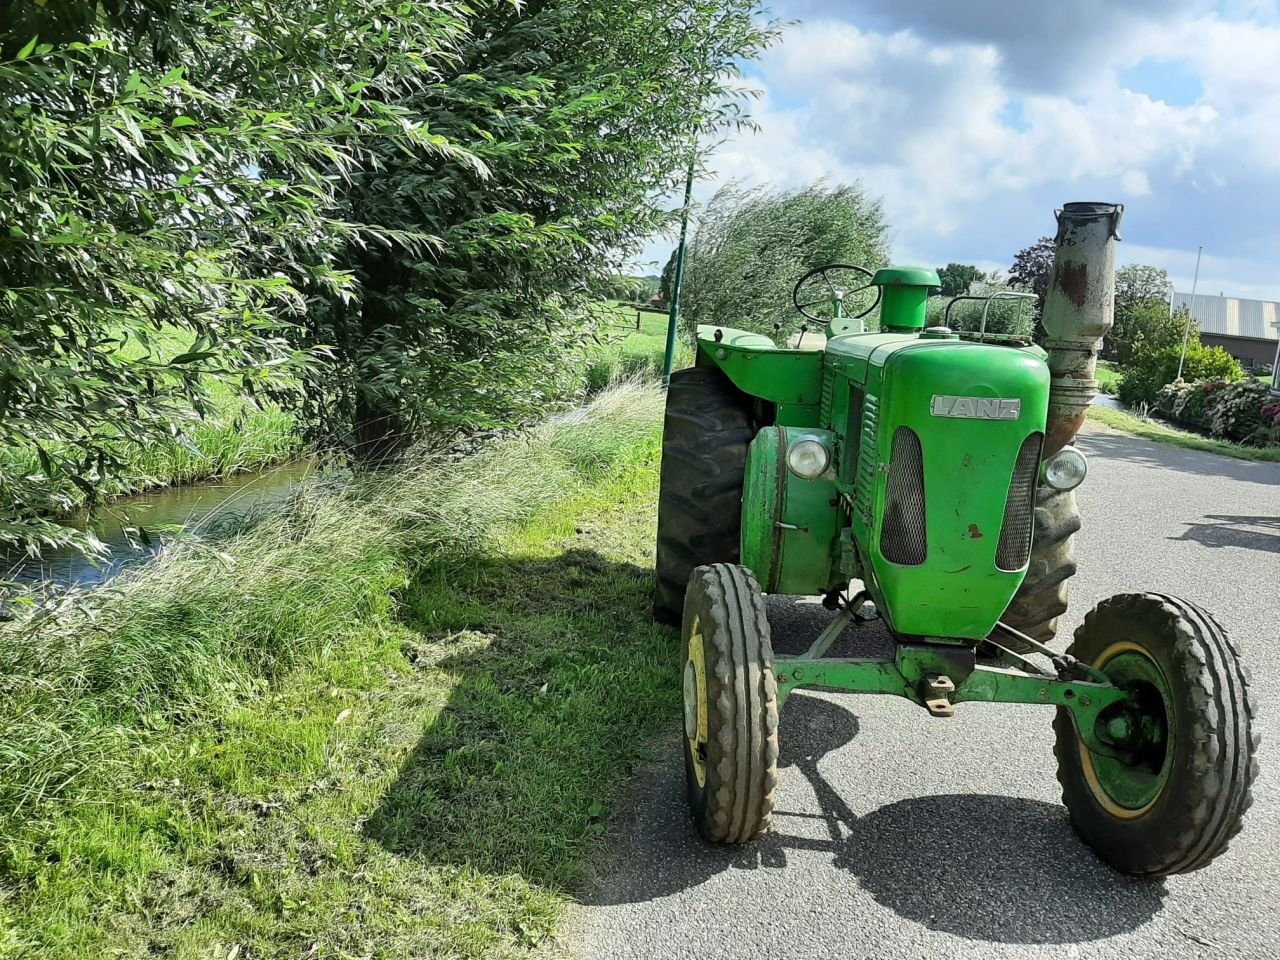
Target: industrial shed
(1249,330)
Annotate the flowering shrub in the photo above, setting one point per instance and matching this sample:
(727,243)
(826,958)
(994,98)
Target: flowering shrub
(1238,415)
(1269,430)
(1241,411)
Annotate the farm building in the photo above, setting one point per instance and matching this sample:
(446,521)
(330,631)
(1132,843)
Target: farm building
(1249,330)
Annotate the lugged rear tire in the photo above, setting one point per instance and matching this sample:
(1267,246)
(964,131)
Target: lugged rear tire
(1042,598)
(1178,808)
(706,433)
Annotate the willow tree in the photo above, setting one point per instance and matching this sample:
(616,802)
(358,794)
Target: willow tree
(753,244)
(582,114)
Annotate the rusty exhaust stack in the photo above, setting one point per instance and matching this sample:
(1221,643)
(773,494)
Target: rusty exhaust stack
(1078,311)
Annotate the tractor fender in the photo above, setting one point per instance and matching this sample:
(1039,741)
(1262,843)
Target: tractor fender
(760,368)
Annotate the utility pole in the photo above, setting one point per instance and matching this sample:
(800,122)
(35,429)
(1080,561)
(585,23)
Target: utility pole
(1186,334)
(673,319)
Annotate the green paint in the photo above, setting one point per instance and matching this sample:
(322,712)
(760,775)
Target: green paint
(901,675)
(861,389)
(968,464)
(789,524)
(905,291)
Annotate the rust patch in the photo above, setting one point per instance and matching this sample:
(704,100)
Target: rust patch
(974,532)
(1073,281)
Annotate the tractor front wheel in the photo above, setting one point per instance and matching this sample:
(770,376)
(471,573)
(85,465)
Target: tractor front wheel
(730,705)
(1169,792)
(704,458)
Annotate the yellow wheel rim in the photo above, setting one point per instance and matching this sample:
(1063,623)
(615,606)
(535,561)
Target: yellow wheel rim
(695,703)
(1100,793)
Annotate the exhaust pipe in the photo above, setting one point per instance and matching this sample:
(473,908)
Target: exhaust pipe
(1079,310)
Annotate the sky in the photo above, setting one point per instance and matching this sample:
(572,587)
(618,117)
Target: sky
(972,121)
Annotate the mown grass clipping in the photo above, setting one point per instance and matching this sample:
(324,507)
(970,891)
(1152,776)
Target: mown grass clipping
(384,722)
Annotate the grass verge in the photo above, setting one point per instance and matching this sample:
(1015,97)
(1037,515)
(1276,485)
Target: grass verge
(386,724)
(1153,430)
(625,351)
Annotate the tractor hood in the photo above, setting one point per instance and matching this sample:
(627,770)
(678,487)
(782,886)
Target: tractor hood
(945,477)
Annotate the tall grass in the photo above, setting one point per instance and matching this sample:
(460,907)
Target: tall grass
(80,686)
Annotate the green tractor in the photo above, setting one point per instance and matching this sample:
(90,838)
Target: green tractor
(935,469)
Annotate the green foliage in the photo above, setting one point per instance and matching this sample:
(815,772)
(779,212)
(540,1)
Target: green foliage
(1141,312)
(175,167)
(352,777)
(1032,268)
(191,627)
(1154,365)
(753,244)
(387,215)
(1003,316)
(956,278)
(1231,410)
(666,286)
(569,109)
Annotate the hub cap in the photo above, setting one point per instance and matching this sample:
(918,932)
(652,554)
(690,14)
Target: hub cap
(1128,785)
(695,703)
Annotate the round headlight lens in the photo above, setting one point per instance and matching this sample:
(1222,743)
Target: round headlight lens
(1066,469)
(808,458)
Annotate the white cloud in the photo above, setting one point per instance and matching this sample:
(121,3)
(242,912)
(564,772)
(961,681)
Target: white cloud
(936,108)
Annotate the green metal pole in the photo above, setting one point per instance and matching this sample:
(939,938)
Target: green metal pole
(673,319)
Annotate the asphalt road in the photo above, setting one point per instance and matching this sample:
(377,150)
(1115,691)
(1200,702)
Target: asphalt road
(902,836)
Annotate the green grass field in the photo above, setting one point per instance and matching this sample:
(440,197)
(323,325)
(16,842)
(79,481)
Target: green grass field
(389,722)
(1109,377)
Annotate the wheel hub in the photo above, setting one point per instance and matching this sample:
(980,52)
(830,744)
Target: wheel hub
(695,703)
(690,701)
(1128,784)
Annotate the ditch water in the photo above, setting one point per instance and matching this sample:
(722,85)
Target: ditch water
(202,510)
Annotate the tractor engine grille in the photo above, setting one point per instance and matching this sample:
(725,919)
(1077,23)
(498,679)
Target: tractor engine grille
(1014,549)
(902,537)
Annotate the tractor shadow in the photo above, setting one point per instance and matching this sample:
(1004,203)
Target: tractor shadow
(545,672)
(549,670)
(1248,533)
(988,868)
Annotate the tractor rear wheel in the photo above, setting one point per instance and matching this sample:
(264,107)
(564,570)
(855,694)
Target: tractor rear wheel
(1170,791)
(1042,598)
(704,455)
(730,705)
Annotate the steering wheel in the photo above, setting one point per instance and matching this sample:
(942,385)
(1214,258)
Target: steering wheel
(842,282)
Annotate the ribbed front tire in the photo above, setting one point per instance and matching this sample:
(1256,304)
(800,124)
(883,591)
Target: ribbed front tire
(704,455)
(1171,802)
(730,705)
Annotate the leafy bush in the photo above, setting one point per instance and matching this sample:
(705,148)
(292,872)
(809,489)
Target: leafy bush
(1232,410)
(1237,415)
(1269,427)
(1148,371)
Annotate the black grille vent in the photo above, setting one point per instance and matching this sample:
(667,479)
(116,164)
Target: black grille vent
(1014,549)
(902,538)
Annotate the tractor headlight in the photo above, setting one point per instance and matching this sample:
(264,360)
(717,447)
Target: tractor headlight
(1066,469)
(808,458)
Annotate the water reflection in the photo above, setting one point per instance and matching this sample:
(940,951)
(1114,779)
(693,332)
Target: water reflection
(202,509)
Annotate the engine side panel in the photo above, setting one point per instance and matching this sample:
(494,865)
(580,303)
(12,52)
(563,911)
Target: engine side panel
(790,525)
